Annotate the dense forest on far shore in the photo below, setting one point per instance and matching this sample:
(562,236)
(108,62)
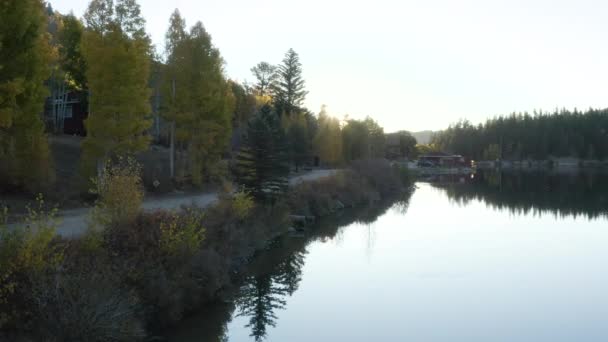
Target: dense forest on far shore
(524,136)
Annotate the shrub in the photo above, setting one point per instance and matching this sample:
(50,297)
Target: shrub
(182,235)
(154,257)
(120,192)
(381,175)
(86,306)
(27,252)
(242,204)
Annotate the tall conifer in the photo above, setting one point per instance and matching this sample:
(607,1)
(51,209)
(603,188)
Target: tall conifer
(289,88)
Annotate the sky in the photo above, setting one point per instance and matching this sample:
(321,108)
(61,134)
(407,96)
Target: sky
(411,64)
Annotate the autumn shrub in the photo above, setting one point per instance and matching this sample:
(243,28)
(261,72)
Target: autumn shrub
(182,234)
(242,204)
(155,255)
(27,253)
(381,175)
(364,182)
(235,239)
(324,196)
(120,193)
(211,270)
(86,306)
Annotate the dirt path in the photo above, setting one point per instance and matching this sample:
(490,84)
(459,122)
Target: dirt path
(73,222)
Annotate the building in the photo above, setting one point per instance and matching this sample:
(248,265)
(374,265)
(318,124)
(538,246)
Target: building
(442,159)
(65,112)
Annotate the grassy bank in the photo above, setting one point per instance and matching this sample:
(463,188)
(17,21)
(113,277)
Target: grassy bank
(131,281)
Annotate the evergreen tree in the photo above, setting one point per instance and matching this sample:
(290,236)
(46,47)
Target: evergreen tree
(262,164)
(289,88)
(265,75)
(117,52)
(523,136)
(25,56)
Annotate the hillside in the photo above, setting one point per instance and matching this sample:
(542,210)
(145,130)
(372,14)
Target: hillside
(423,137)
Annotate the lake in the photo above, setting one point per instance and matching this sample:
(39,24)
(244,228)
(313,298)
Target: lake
(484,257)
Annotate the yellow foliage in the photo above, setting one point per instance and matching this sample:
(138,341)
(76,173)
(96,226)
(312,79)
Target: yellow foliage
(117,73)
(120,192)
(182,235)
(25,253)
(24,63)
(261,100)
(242,204)
(328,140)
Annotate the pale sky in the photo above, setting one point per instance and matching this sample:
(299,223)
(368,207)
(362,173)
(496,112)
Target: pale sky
(412,64)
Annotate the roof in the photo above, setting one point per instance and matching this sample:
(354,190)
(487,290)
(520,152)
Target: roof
(440,155)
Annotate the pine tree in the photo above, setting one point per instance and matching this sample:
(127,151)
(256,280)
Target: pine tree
(289,88)
(262,165)
(117,52)
(25,56)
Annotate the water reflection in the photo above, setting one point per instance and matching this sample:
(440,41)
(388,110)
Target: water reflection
(455,264)
(273,276)
(262,294)
(522,193)
(276,274)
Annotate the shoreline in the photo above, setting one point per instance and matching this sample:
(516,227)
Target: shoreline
(165,285)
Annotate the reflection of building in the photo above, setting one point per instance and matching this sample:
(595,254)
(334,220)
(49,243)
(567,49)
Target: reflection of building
(442,159)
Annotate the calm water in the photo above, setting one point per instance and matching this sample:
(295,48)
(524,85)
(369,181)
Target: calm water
(511,257)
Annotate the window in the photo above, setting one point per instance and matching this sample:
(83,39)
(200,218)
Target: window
(68,112)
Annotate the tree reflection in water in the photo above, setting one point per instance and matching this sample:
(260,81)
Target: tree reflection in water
(575,193)
(268,284)
(261,295)
(274,275)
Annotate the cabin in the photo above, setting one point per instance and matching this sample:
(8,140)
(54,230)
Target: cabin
(65,112)
(442,159)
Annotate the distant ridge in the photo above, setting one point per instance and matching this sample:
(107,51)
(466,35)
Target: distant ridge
(423,137)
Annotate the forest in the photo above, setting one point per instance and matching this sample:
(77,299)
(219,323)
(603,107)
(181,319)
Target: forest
(132,273)
(524,136)
(136,97)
